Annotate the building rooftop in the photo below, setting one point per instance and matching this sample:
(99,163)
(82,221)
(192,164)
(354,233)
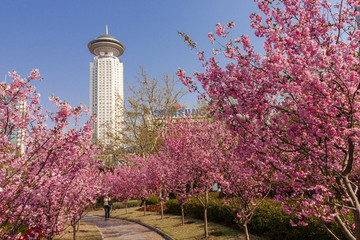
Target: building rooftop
(106,43)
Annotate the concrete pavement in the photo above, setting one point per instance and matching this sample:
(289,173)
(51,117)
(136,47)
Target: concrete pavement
(114,229)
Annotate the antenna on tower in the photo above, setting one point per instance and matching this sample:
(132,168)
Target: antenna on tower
(107,32)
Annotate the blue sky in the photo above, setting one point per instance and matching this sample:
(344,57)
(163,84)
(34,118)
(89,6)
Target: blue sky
(52,35)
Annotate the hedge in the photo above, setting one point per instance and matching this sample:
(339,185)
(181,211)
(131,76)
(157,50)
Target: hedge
(217,210)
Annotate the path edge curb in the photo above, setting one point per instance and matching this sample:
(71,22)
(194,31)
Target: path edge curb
(164,235)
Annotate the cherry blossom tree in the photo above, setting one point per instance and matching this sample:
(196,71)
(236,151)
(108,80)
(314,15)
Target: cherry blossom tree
(48,174)
(197,148)
(244,185)
(120,184)
(142,177)
(168,173)
(296,106)
(172,177)
(82,197)
(159,172)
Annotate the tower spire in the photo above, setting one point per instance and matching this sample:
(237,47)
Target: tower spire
(107,31)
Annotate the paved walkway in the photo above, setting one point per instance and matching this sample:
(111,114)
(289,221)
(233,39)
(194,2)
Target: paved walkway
(114,229)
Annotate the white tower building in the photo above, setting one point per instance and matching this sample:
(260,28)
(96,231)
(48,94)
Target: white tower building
(106,85)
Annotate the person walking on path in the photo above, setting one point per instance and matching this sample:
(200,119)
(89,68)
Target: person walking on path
(107,206)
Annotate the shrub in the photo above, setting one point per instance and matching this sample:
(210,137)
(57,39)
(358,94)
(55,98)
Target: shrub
(217,210)
(193,208)
(153,200)
(273,222)
(119,205)
(221,214)
(173,207)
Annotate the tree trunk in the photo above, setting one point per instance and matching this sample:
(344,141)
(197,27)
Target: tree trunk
(126,210)
(162,209)
(246,231)
(74,232)
(205,214)
(357,224)
(182,214)
(356,204)
(144,208)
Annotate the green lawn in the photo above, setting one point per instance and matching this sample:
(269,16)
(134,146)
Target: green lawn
(86,232)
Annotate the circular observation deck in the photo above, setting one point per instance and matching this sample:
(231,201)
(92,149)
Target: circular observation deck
(106,43)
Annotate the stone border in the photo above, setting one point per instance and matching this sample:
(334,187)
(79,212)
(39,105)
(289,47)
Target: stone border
(102,236)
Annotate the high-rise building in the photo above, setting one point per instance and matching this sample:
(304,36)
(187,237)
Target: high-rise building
(106,85)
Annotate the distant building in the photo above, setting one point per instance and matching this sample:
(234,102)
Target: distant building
(106,85)
(17,135)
